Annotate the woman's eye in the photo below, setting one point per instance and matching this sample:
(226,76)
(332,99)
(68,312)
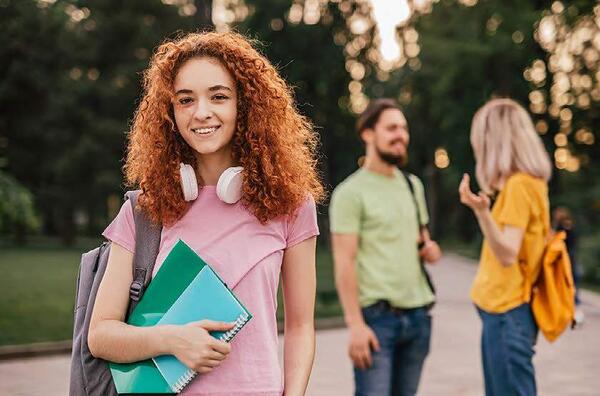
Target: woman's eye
(220,97)
(185,101)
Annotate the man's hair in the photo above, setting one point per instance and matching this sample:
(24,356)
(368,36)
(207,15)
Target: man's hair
(371,115)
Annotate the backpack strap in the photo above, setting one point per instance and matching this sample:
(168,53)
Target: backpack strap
(147,243)
(422,226)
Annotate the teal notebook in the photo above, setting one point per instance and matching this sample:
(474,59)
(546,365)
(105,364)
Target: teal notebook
(207,297)
(178,270)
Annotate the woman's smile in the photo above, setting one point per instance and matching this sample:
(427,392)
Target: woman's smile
(205,131)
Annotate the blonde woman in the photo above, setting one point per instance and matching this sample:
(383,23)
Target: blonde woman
(512,162)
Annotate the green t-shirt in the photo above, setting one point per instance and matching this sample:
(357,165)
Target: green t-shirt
(381,210)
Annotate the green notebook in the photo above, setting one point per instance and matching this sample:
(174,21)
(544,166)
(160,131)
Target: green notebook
(178,270)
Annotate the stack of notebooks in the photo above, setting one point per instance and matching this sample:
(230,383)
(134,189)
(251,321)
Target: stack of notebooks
(184,290)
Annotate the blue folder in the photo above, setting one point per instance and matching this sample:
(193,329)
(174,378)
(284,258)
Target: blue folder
(206,297)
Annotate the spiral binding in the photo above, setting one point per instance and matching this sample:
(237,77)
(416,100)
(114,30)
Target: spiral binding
(183,381)
(227,337)
(239,323)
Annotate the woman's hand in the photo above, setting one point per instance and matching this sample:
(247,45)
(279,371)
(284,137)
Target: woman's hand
(196,348)
(477,203)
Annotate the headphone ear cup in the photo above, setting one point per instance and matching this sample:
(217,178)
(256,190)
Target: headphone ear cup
(229,186)
(189,183)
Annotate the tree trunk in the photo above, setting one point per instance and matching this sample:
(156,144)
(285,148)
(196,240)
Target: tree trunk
(203,15)
(19,234)
(66,226)
(433,183)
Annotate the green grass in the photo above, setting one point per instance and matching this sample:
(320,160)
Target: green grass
(37,290)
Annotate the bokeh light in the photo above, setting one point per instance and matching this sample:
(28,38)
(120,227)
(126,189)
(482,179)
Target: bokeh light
(441,158)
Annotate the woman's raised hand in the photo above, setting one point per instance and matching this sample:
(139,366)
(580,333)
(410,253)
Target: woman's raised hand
(196,348)
(477,202)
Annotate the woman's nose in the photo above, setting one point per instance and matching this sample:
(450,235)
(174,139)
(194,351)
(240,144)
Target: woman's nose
(203,111)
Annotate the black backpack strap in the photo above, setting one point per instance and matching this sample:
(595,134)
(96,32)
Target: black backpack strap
(147,243)
(422,226)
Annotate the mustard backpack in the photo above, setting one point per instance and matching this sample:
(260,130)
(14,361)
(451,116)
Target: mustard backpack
(553,291)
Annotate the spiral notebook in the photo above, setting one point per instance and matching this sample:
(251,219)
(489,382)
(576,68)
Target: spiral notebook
(206,297)
(179,269)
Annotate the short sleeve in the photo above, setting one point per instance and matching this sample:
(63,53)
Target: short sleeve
(421,201)
(345,211)
(122,229)
(516,208)
(304,224)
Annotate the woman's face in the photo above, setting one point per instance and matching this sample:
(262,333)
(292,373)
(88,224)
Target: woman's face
(205,105)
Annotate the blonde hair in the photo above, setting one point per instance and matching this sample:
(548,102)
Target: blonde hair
(505,142)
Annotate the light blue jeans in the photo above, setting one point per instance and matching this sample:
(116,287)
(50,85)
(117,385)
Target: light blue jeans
(404,338)
(507,342)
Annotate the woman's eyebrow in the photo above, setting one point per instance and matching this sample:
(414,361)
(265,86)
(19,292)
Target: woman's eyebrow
(212,89)
(219,87)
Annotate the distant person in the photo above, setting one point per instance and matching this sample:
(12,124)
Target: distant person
(227,164)
(511,161)
(562,220)
(379,238)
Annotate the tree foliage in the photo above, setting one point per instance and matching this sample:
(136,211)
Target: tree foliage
(17,213)
(69,82)
(69,73)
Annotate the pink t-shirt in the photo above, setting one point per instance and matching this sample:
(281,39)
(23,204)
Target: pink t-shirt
(247,256)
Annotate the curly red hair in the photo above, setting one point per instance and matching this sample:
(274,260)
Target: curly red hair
(273,142)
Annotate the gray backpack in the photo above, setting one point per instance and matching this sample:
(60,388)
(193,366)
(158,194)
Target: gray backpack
(91,376)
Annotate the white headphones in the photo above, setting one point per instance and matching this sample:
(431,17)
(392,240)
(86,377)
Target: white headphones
(229,186)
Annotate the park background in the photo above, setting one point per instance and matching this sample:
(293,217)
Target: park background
(70,81)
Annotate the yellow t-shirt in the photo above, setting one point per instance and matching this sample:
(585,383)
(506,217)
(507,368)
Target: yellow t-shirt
(523,203)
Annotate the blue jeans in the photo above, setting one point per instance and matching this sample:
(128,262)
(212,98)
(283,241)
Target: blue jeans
(404,339)
(507,343)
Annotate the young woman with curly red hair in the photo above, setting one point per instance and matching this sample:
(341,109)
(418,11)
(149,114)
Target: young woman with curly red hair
(212,107)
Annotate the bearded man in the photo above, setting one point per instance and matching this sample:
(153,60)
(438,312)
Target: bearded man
(380,242)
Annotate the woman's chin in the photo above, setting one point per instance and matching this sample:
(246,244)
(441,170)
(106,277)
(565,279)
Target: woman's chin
(210,149)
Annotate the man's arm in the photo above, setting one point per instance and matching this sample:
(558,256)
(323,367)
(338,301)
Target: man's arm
(345,247)
(362,338)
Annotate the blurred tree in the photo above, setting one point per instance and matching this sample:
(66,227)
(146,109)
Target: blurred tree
(467,56)
(454,56)
(309,58)
(70,78)
(309,53)
(17,214)
(565,95)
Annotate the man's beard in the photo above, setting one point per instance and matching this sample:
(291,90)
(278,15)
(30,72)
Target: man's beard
(392,159)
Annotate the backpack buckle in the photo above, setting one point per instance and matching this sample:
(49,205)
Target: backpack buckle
(135,290)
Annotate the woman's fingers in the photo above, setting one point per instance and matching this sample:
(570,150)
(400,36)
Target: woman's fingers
(220,346)
(212,363)
(464,188)
(463,185)
(214,355)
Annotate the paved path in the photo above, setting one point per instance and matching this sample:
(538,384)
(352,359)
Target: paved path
(569,367)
